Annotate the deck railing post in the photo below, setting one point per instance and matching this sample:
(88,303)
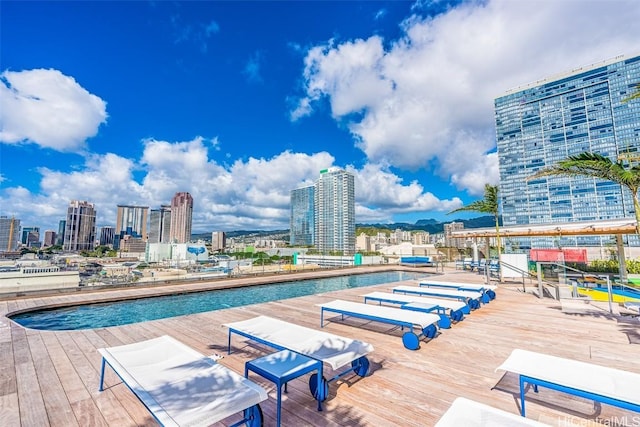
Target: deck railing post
(609,297)
(539,271)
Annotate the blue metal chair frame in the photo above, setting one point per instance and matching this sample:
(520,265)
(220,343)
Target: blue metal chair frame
(263,367)
(318,384)
(410,339)
(445,318)
(535,382)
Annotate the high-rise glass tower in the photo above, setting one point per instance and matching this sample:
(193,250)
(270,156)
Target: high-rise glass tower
(334,211)
(181,217)
(80,229)
(302,218)
(30,236)
(539,124)
(107,236)
(62,225)
(160,224)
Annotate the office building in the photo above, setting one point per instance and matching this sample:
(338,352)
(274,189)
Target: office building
(130,221)
(302,217)
(539,124)
(9,234)
(160,224)
(107,236)
(49,238)
(30,237)
(181,217)
(334,211)
(80,228)
(218,241)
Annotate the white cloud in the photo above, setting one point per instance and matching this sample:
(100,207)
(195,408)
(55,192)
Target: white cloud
(252,68)
(382,190)
(47,108)
(249,194)
(427,100)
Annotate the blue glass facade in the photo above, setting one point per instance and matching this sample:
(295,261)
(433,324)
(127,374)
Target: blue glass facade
(302,217)
(542,123)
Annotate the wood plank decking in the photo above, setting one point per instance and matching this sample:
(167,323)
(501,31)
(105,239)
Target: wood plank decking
(51,378)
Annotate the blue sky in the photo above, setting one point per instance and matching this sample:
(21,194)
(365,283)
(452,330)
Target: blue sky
(240,102)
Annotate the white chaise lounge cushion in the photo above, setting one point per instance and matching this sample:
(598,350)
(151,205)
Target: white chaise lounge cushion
(597,379)
(433,291)
(332,349)
(468,413)
(446,303)
(416,318)
(180,386)
(474,286)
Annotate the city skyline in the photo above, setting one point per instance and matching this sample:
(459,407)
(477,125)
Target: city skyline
(207,97)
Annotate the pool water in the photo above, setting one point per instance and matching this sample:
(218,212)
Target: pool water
(118,313)
(600,293)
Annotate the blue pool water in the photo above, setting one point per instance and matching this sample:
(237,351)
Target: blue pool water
(617,290)
(102,315)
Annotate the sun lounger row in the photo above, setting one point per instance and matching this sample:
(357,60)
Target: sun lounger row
(180,386)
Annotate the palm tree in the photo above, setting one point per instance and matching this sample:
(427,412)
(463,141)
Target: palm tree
(595,165)
(488,205)
(634,95)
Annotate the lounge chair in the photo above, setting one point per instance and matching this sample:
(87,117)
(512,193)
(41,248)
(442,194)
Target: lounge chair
(468,413)
(599,383)
(447,309)
(180,386)
(472,299)
(334,350)
(426,322)
(488,291)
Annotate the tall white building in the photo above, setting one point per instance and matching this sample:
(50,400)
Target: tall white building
(218,241)
(80,228)
(334,211)
(181,217)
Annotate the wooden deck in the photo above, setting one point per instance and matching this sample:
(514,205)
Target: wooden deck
(51,378)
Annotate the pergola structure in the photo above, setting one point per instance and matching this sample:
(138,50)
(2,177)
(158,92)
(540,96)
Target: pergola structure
(616,227)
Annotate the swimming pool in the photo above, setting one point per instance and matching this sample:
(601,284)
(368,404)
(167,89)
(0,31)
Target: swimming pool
(118,313)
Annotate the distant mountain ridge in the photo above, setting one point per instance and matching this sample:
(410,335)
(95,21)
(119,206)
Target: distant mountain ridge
(434,226)
(430,225)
